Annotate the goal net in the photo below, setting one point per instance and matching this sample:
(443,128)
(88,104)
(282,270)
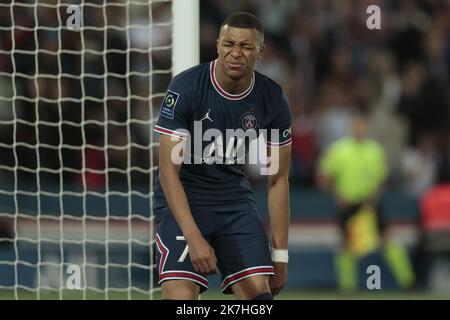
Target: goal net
(80,87)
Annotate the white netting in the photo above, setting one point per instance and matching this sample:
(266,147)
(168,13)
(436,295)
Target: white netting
(76,146)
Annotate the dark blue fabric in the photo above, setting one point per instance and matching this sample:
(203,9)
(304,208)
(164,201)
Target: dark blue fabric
(238,239)
(191,96)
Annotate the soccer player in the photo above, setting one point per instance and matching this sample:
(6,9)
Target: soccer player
(354,170)
(206,218)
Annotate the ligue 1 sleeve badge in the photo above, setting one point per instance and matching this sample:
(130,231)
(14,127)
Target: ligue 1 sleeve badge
(169,103)
(248,121)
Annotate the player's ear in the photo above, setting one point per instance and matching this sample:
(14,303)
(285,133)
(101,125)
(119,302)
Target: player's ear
(217,45)
(261,50)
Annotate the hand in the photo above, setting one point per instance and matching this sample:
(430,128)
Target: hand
(278,281)
(202,255)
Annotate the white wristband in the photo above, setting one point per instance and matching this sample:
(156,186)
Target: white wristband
(280,255)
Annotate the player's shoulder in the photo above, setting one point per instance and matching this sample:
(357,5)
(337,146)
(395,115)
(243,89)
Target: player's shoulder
(189,78)
(268,85)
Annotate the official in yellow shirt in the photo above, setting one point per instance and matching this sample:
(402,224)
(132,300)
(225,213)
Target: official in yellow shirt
(357,167)
(354,169)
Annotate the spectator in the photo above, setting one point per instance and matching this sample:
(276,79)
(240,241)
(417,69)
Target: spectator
(424,102)
(443,163)
(419,166)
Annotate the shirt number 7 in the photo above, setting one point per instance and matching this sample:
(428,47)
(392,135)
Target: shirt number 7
(185,251)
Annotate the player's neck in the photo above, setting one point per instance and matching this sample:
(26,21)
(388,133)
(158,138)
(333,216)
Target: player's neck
(230,85)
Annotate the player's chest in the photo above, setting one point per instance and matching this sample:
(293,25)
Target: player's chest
(217,113)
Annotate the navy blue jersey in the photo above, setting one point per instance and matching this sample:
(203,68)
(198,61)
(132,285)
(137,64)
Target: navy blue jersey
(194,98)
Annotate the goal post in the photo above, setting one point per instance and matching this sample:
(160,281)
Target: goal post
(185,35)
(78,101)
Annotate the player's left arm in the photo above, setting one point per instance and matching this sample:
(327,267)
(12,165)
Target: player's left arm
(279,211)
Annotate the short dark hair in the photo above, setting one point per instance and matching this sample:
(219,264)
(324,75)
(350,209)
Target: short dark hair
(244,20)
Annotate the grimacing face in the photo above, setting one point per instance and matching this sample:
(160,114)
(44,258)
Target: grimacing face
(238,49)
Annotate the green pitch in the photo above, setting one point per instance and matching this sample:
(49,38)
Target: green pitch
(215,295)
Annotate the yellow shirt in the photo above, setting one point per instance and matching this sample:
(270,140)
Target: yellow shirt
(357,168)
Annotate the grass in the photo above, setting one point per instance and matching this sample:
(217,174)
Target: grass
(215,295)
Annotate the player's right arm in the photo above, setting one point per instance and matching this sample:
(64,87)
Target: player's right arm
(200,252)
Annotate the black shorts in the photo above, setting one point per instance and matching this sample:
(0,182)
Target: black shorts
(239,241)
(345,214)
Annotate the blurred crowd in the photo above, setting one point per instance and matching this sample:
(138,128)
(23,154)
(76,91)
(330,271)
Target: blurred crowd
(329,64)
(77,106)
(321,51)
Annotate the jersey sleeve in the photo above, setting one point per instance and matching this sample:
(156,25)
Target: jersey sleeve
(175,111)
(279,133)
